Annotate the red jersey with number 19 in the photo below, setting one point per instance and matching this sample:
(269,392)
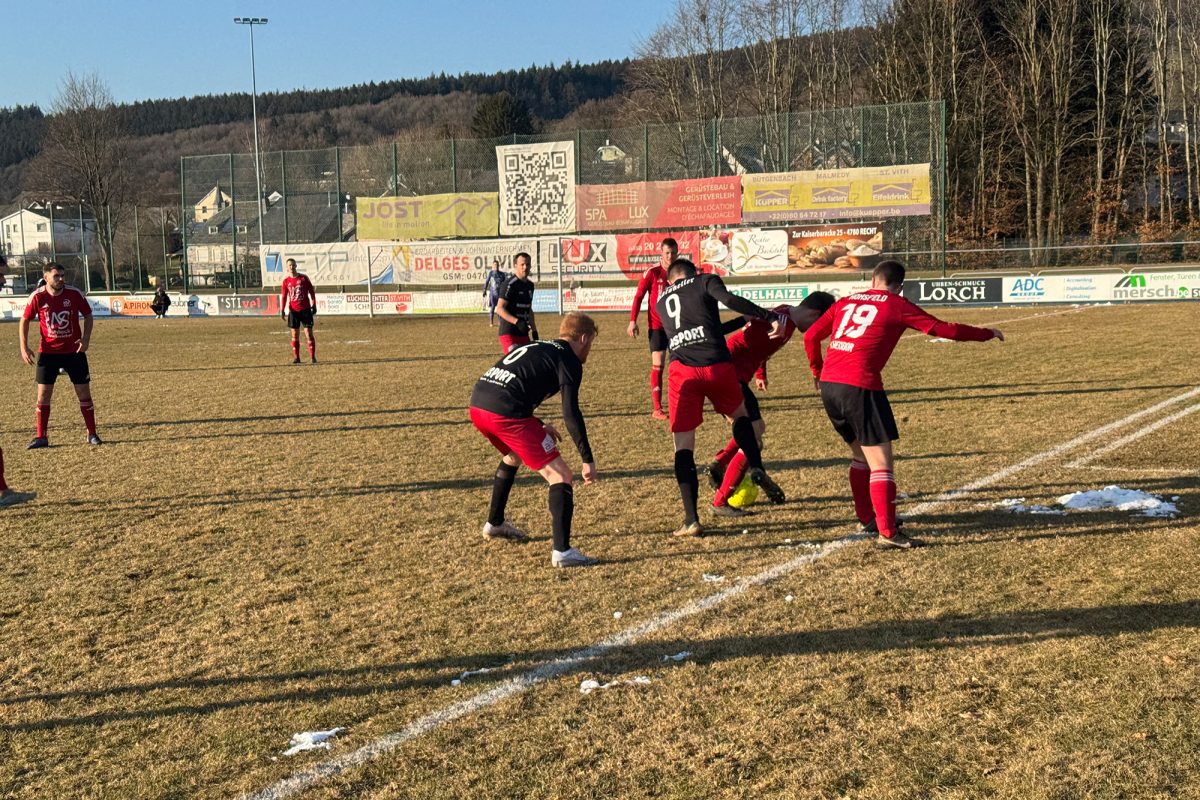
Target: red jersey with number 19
(865,328)
(297,293)
(59,318)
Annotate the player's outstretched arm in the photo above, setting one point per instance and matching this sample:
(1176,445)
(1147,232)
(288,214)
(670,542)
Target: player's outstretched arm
(916,317)
(716,289)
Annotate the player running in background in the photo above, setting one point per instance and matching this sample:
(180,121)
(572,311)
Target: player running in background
(502,407)
(298,305)
(64,346)
(701,368)
(515,307)
(750,347)
(491,289)
(865,328)
(653,281)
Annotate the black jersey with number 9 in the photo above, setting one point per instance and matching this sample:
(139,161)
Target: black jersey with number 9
(691,318)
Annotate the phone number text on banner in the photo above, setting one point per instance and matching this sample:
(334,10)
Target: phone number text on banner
(660,204)
(434,216)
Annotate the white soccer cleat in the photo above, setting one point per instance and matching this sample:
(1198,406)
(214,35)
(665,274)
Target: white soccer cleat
(571,558)
(505,530)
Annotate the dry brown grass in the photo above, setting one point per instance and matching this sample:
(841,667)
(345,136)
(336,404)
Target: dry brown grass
(262,549)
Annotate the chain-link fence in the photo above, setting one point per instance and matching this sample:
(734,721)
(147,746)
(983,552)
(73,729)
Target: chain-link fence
(308,196)
(103,249)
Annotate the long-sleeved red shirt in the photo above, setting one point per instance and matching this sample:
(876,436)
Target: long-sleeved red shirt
(653,281)
(865,328)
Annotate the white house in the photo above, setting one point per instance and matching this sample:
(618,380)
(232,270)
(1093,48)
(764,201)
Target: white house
(28,231)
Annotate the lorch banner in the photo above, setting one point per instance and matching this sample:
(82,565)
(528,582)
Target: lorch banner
(660,204)
(433,216)
(898,191)
(537,188)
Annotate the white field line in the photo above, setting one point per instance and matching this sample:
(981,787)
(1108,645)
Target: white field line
(1133,437)
(307,778)
(1179,473)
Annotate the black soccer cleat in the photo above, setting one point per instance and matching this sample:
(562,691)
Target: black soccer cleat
(726,510)
(762,480)
(873,526)
(296,360)
(38,443)
(716,474)
(94,439)
(899,541)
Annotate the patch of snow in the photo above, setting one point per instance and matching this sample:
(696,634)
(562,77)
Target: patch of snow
(682,656)
(1016,505)
(311,740)
(1114,497)
(589,686)
(711,578)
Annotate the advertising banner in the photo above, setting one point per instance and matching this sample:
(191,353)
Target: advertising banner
(131,306)
(586,257)
(328,264)
(1059,289)
(248,305)
(433,216)
(637,252)
(447,262)
(537,188)
(1156,286)
(898,191)
(660,204)
(601,298)
(955,291)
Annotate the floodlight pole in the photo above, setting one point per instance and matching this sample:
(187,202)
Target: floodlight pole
(251,22)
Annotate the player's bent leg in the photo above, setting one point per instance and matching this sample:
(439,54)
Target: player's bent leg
(497,527)
(743,432)
(562,510)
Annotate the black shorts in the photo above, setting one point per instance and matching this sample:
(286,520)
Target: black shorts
(298,318)
(74,364)
(862,415)
(751,401)
(658,340)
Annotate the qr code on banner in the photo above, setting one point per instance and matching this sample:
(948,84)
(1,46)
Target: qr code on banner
(539,191)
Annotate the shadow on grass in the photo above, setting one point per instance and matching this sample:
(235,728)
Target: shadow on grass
(942,633)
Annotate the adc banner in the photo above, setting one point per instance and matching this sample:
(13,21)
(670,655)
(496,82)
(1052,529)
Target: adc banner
(537,188)
(898,191)
(660,204)
(433,216)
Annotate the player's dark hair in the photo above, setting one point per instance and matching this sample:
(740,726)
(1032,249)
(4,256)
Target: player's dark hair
(528,259)
(681,268)
(892,272)
(291,261)
(53,265)
(671,243)
(818,301)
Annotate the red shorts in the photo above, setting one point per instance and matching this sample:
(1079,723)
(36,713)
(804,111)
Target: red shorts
(507,343)
(688,386)
(526,437)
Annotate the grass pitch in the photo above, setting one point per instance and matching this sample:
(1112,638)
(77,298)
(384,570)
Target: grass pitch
(261,549)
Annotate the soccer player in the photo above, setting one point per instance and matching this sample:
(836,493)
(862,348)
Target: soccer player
(653,281)
(515,306)
(8,497)
(502,407)
(865,328)
(298,305)
(64,346)
(491,289)
(750,347)
(701,368)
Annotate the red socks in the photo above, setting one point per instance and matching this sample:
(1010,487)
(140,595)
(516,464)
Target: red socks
(725,456)
(3,485)
(296,349)
(312,349)
(883,497)
(860,488)
(656,387)
(735,470)
(89,416)
(43,420)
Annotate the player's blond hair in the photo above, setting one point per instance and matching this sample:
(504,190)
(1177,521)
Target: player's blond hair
(575,326)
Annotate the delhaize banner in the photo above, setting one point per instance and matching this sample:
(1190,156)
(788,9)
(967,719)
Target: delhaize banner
(659,204)
(898,191)
(432,216)
(809,248)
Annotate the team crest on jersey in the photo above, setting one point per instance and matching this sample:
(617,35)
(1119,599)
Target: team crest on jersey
(58,323)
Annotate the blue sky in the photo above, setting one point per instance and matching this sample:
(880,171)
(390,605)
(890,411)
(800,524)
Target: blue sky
(146,49)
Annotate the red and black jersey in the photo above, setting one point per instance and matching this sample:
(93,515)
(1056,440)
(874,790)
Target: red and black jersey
(58,315)
(865,328)
(517,294)
(751,346)
(691,319)
(523,379)
(653,281)
(297,293)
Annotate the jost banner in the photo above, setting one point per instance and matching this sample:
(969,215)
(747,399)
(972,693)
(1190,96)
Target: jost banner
(432,216)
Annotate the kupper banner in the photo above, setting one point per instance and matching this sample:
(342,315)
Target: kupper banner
(898,191)
(433,216)
(537,188)
(660,204)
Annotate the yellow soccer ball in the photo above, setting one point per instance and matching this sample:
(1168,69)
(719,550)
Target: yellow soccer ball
(745,494)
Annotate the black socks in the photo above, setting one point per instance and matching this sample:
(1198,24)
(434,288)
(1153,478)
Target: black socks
(743,434)
(689,484)
(505,475)
(562,508)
